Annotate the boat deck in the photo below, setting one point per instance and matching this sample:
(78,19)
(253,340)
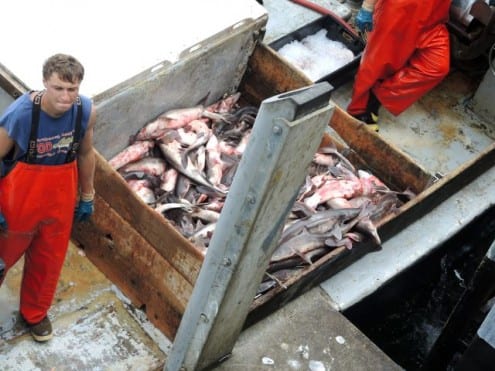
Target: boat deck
(440,131)
(97,329)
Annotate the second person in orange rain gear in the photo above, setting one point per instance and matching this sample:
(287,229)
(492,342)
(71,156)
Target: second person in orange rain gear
(406,55)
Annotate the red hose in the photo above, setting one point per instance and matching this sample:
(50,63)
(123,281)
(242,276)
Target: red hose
(322,10)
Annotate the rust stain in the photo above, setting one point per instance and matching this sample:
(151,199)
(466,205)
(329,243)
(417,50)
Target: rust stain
(79,276)
(449,130)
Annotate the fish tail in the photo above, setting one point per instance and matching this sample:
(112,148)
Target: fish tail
(218,117)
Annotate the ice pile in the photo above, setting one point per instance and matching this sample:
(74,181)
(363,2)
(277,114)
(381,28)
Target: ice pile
(317,55)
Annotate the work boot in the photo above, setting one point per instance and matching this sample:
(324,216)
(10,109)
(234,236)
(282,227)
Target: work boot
(41,331)
(370,117)
(373,106)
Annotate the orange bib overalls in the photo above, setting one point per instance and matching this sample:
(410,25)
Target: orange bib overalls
(38,203)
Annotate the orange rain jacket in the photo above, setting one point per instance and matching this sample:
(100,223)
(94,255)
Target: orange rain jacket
(407,54)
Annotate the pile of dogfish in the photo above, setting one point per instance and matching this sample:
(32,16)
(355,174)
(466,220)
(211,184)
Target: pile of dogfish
(182,164)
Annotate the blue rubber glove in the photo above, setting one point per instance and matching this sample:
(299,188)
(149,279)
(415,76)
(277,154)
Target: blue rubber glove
(83,210)
(364,20)
(3,222)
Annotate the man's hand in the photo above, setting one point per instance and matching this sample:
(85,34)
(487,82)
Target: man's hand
(364,20)
(84,210)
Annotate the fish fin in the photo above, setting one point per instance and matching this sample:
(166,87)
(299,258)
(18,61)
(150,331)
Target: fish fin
(302,256)
(305,258)
(368,227)
(274,278)
(331,242)
(337,232)
(347,243)
(354,236)
(219,117)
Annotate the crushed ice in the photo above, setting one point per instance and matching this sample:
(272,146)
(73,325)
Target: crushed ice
(317,55)
(316,366)
(303,350)
(267,361)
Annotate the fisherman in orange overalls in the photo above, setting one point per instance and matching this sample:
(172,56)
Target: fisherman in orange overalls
(47,173)
(406,55)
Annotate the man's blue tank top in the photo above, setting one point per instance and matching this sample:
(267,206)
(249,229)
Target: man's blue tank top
(55,135)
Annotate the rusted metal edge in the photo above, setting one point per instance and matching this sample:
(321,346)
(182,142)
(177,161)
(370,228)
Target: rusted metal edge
(324,268)
(135,267)
(156,229)
(438,192)
(388,162)
(11,84)
(268,74)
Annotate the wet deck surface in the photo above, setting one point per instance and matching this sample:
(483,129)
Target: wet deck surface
(94,326)
(318,338)
(96,329)
(440,131)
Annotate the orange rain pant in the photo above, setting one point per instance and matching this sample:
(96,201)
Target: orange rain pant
(38,203)
(407,54)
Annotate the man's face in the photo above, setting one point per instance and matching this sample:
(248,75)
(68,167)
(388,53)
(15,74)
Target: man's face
(60,94)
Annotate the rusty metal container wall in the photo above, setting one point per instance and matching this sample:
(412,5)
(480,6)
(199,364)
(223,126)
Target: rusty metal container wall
(336,32)
(134,246)
(138,249)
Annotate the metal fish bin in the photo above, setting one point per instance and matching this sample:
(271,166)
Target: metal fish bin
(336,31)
(138,249)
